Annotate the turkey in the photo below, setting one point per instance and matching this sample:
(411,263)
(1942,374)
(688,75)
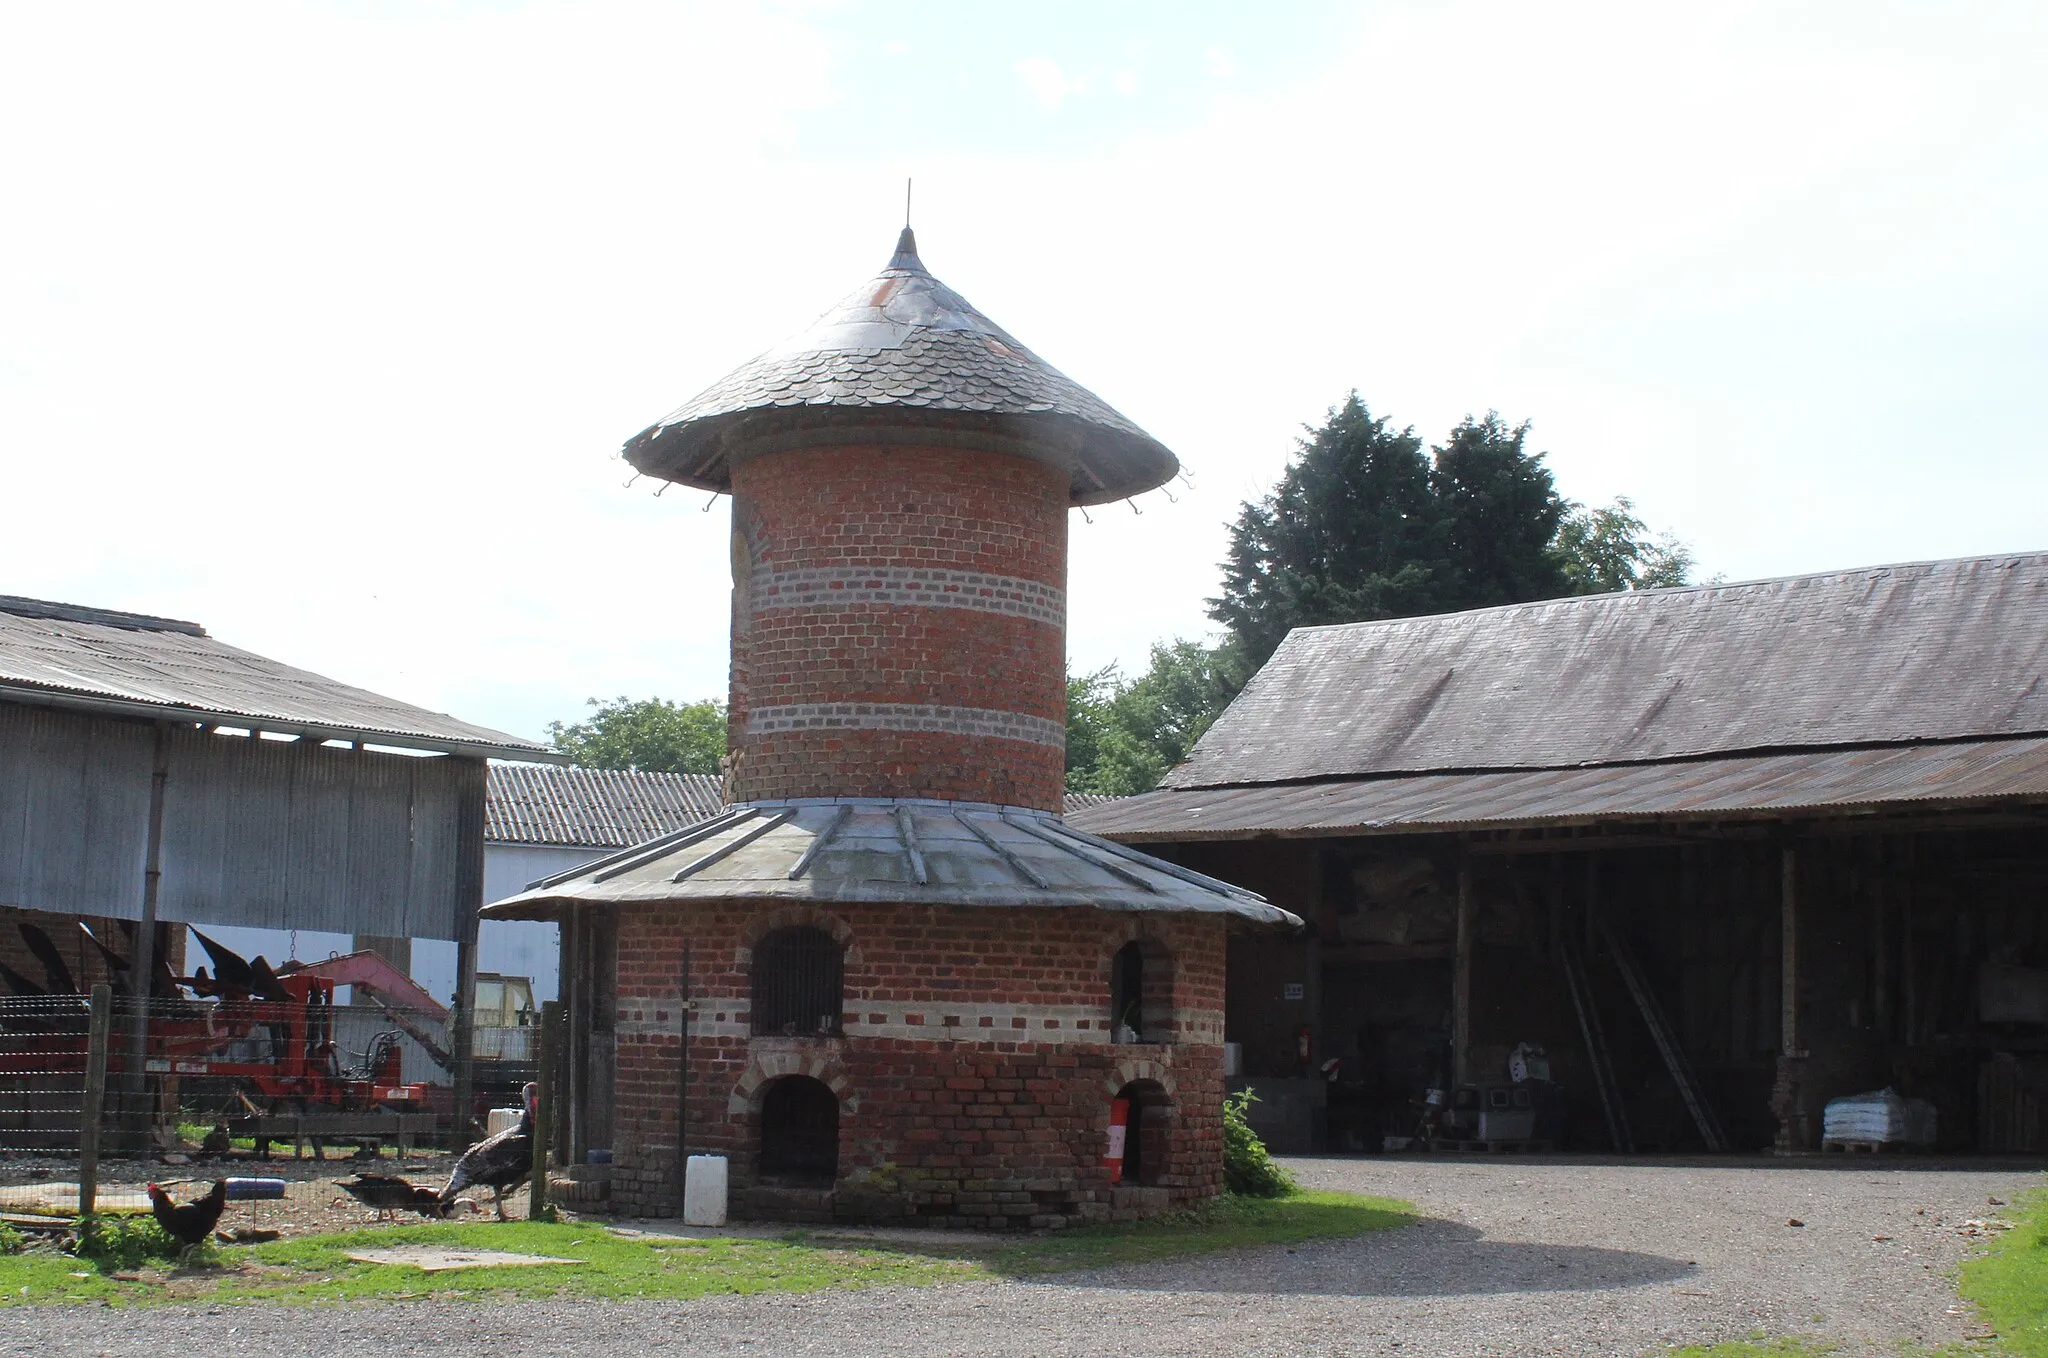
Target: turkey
(499,1162)
(189,1223)
(390,1195)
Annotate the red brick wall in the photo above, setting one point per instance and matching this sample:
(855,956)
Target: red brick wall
(899,625)
(999,1117)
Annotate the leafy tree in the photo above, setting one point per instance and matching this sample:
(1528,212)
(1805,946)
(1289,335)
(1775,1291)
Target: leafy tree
(1350,533)
(1362,526)
(650,735)
(1497,511)
(1088,699)
(1122,736)
(1605,550)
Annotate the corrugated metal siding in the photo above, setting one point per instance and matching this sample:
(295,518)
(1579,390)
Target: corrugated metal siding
(286,836)
(1975,773)
(270,834)
(1939,651)
(77,656)
(74,811)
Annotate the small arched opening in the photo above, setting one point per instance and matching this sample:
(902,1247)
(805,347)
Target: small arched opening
(1140,992)
(799,1132)
(798,983)
(1148,1132)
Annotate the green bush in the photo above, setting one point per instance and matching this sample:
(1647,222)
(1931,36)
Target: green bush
(11,1240)
(1248,1168)
(122,1243)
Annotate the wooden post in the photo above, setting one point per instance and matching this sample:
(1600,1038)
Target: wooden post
(1788,951)
(94,1102)
(469,899)
(1909,972)
(1880,947)
(544,1109)
(142,963)
(1461,985)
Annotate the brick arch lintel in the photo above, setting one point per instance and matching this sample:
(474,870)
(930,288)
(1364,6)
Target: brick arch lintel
(1131,1071)
(769,1066)
(1156,949)
(800,916)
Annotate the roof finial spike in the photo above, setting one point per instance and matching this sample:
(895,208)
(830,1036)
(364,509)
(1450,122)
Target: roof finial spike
(906,244)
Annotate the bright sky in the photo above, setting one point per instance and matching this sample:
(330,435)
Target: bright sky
(323,324)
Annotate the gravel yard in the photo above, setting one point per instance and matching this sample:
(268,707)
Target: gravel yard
(1512,1257)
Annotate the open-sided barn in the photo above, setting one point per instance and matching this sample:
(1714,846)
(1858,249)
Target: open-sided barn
(1726,852)
(151,774)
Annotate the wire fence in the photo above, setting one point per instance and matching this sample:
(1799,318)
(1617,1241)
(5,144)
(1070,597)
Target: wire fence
(101,1094)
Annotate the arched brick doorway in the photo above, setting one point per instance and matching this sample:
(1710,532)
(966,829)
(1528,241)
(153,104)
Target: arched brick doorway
(799,1133)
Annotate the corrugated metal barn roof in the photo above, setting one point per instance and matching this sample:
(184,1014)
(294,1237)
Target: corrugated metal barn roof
(609,808)
(893,851)
(902,346)
(594,808)
(1895,654)
(1740,787)
(130,664)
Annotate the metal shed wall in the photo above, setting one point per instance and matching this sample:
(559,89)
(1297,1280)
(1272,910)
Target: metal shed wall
(272,834)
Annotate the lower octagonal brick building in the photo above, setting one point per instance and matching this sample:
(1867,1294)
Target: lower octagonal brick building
(889,982)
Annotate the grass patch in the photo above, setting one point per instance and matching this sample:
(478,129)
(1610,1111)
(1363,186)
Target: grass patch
(1757,1347)
(318,1269)
(2009,1281)
(1225,1223)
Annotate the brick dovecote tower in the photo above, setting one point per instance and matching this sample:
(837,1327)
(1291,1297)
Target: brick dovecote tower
(917,993)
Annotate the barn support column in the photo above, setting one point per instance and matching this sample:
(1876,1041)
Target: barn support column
(1788,1096)
(1880,943)
(469,900)
(1461,984)
(574,969)
(135,1110)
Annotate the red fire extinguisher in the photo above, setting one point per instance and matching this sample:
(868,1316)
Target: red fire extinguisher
(1119,1129)
(1304,1049)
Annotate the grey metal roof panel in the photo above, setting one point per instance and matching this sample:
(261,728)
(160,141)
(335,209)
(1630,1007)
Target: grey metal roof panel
(593,808)
(1933,651)
(1762,786)
(611,808)
(130,664)
(904,341)
(956,853)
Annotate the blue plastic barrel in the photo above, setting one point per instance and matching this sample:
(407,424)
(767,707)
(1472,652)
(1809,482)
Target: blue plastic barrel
(248,1190)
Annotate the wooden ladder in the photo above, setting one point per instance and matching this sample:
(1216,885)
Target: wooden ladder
(1668,1047)
(1576,981)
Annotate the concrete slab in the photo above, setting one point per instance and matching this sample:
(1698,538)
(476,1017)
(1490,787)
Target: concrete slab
(435,1259)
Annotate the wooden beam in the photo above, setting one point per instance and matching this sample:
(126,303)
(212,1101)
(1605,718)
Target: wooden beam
(1880,945)
(1788,951)
(1461,984)
(1357,954)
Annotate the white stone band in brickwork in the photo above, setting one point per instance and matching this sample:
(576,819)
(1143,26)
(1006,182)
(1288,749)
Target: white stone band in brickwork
(927,717)
(728,1017)
(913,586)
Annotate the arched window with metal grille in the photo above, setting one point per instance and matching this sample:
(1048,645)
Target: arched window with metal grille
(798,983)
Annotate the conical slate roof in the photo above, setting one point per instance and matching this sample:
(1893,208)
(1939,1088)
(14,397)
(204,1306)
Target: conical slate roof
(900,348)
(892,851)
